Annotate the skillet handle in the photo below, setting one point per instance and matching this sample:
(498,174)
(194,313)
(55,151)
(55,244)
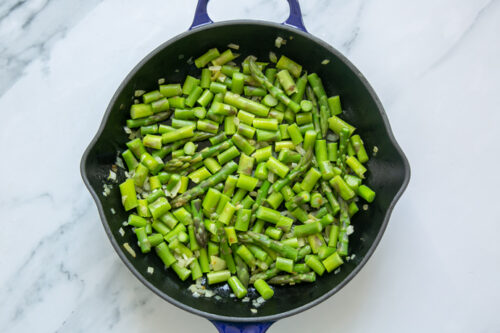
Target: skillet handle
(227,327)
(201,15)
(294,19)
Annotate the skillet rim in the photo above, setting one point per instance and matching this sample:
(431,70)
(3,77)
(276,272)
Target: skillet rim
(352,274)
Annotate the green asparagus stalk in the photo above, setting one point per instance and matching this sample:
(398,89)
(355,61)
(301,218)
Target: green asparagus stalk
(319,91)
(263,240)
(198,190)
(266,275)
(184,162)
(261,196)
(334,205)
(293,278)
(199,227)
(153,119)
(344,137)
(274,91)
(242,270)
(302,167)
(343,238)
(167,149)
(320,123)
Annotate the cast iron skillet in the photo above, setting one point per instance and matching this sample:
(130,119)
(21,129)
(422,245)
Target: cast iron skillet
(389,172)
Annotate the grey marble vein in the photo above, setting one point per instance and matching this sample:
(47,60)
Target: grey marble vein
(343,25)
(9,6)
(28,29)
(348,44)
(485,10)
(45,253)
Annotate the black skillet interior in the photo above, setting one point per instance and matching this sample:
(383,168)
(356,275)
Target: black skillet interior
(388,171)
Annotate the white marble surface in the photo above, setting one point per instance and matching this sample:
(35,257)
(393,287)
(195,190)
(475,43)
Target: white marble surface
(434,64)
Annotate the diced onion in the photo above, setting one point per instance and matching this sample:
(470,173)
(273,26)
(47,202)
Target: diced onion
(279,41)
(129,249)
(119,162)
(332,137)
(349,230)
(112,176)
(300,150)
(214,68)
(273,57)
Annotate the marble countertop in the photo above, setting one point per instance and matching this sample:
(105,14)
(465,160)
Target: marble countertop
(434,64)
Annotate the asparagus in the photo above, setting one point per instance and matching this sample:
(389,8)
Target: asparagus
(290,65)
(226,252)
(140,110)
(344,136)
(167,149)
(199,227)
(320,123)
(303,252)
(153,119)
(266,275)
(246,104)
(274,91)
(178,163)
(302,167)
(263,288)
(179,208)
(301,89)
(343,238)
(319,91)
(263,240)
(171,90)
(293,278)
(237,286)
(128,194)
(198,190)
(334,205)
(261,195)
(205,58)
(242,270)
(184,162)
